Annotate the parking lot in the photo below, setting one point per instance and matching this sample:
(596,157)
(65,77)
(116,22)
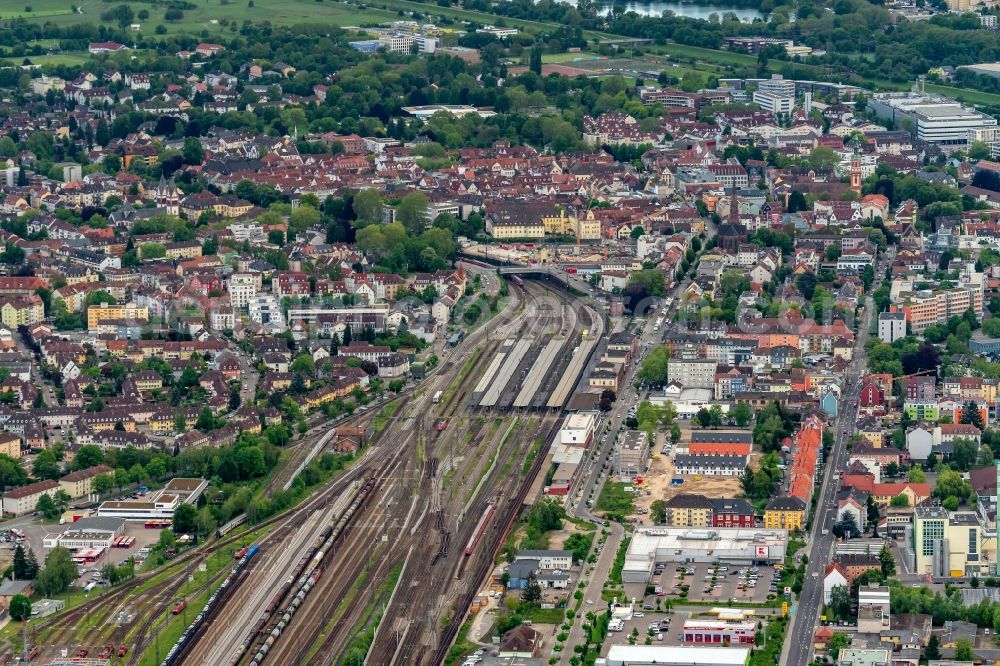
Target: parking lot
(671,634)
(36,532)
(751,586)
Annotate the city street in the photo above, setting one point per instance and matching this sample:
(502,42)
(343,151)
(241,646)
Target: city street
(593,475)
(797,650)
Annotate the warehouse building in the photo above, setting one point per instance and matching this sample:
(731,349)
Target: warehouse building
(663,545)
(87,533)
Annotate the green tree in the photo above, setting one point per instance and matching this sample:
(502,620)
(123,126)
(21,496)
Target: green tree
(651,279)
(58,573)
(47,507)
(20,607)
(933,649)
(972,415)
(303,363)
(653,371)
(185,517)
(193,153)
(900,501)
(102,484)
(25,564)
(367,206)
(532,592)
(535,60)
(206,419)
(658,510)
(840,602)
(88,456)
(741,414)
(838,642)
(822,157)
(916,475)
(675,434)
(951,484)
(979,151)
(412,212)
(963,650)
(46,466)
(887,562)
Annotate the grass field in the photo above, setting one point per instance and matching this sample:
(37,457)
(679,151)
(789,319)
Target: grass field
(8,14)
(279,12)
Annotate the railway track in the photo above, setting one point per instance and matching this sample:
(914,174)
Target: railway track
(408,460)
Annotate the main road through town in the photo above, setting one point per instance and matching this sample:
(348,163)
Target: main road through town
(799,639)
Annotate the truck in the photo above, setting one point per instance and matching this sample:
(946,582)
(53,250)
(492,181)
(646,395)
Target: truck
(437,397)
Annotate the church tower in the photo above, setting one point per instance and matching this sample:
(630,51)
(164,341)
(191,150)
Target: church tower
(856,169)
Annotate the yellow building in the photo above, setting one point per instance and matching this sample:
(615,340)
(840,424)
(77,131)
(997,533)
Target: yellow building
(82,276)
(162,421)
(79,483)
(232,207)
(508,229)
(24,311)
(786,513)
(558,224)
(952,543)
(587,227)
(147,380)
(104,312)
(183,250)
(10,445)
(687,510)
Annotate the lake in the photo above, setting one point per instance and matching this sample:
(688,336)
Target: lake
(698,11)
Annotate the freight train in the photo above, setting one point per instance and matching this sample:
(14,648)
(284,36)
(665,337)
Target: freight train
(301,582)
(176,653)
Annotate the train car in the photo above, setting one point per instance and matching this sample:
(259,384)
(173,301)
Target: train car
(484,520)
(516,280)
(231,525)
(441,425)
(241,552)
(179,608)
(437,397)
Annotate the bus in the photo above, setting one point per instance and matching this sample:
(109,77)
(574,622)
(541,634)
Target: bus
(437,397)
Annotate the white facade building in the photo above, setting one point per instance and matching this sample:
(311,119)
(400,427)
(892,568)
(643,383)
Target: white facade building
(776,95)
(266,311)
(931,118)
(242,288)
(891,326)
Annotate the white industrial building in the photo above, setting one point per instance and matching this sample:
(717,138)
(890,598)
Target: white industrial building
(931,118)
(731,545)
(578,429)
(776,95)
(159,505)
(674,655)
